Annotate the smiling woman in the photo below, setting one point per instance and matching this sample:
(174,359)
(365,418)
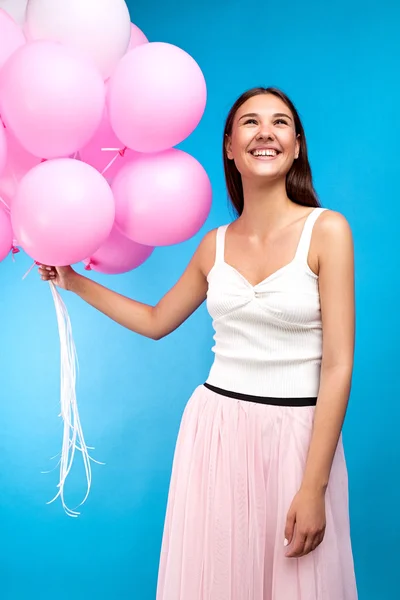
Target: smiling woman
(258,500)
(250,512)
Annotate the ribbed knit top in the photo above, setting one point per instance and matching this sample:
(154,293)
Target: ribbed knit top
(268,337)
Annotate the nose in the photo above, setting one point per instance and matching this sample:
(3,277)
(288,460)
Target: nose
(265,132)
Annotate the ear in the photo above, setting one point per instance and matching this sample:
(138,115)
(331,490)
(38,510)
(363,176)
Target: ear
(297,146)
(228,147)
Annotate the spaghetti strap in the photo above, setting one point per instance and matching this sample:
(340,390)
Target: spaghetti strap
(220,244)
(305,238)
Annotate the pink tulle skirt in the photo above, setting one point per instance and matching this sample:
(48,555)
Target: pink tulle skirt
(236,469)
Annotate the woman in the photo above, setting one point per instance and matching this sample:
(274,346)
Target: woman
(258,505)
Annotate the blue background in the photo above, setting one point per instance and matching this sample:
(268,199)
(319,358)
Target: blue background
(339,63)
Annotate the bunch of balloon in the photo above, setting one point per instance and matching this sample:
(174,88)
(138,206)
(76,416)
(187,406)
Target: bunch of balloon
(90,114)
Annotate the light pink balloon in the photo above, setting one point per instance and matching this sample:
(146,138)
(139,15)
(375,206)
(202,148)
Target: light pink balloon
(100,29)
(63,211)
(137,37)
(156,97)
(19,162)
(51,98)
(162,199)
(3,148)
(100,151)
(118,255)
(11,37)
(6,234)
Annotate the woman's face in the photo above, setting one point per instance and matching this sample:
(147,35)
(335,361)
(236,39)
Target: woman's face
(263,141)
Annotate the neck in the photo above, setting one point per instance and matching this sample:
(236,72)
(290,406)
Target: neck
(266,206)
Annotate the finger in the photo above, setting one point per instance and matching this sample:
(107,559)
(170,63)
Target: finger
(312,543)
(47,271)
(297,546)
(289,528)
(47,275)
(318,540)
(309,545)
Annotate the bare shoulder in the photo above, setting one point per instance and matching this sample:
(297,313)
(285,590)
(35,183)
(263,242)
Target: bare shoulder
(206,251)
(333,225)
(332,229)
(334,238)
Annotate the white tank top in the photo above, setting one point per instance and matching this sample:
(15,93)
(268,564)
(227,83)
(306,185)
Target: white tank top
(268,337)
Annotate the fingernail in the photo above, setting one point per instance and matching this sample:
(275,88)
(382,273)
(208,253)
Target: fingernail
(286,542)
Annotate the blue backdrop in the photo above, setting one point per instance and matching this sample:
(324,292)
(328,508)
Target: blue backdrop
(337,61)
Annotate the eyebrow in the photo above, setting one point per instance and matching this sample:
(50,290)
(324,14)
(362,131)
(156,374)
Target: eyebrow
(273,116)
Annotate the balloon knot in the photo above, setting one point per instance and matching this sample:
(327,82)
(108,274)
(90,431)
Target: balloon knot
(89,266)
(43,160)
(15,250)
(122,152)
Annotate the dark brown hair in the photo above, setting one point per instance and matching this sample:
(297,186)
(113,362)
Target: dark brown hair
(299,185)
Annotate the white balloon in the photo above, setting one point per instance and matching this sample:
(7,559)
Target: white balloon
(16,9)
(99,28)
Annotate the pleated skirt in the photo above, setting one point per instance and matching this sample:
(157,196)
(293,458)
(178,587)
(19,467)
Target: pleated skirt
(236,469)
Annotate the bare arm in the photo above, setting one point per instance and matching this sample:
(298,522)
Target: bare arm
(336,288)
(150,321)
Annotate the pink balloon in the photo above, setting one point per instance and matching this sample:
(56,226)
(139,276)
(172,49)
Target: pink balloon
(19,162)
(100,151)
(63,211)
(11,37)
(51,98)
(100,29)
(162,199)
(137,37)
(118,254)
(156,97)
(6,234)
(3,149)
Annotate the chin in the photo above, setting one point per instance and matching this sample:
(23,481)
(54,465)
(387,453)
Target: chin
(268,172)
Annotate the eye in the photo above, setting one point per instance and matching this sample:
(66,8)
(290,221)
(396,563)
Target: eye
(250,121)
(281,121)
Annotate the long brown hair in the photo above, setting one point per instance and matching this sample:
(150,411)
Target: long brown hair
(299,185)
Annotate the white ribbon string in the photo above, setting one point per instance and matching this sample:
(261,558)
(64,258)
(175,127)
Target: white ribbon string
(119,153)
(73,438)
(110,164)
(29,270)
(5,205)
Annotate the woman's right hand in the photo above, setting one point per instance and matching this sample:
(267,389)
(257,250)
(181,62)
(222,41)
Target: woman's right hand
(60,276)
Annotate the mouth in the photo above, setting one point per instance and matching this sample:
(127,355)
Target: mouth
(265,153)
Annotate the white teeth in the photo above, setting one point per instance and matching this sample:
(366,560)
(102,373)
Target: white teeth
(264,153)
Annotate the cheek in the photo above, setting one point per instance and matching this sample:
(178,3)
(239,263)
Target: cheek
(236,153)
(240,141)
(289,142)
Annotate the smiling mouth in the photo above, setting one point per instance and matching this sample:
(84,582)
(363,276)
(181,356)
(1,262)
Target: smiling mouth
(265,154)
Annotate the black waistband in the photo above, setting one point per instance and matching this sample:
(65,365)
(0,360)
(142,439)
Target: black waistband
(311,401)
